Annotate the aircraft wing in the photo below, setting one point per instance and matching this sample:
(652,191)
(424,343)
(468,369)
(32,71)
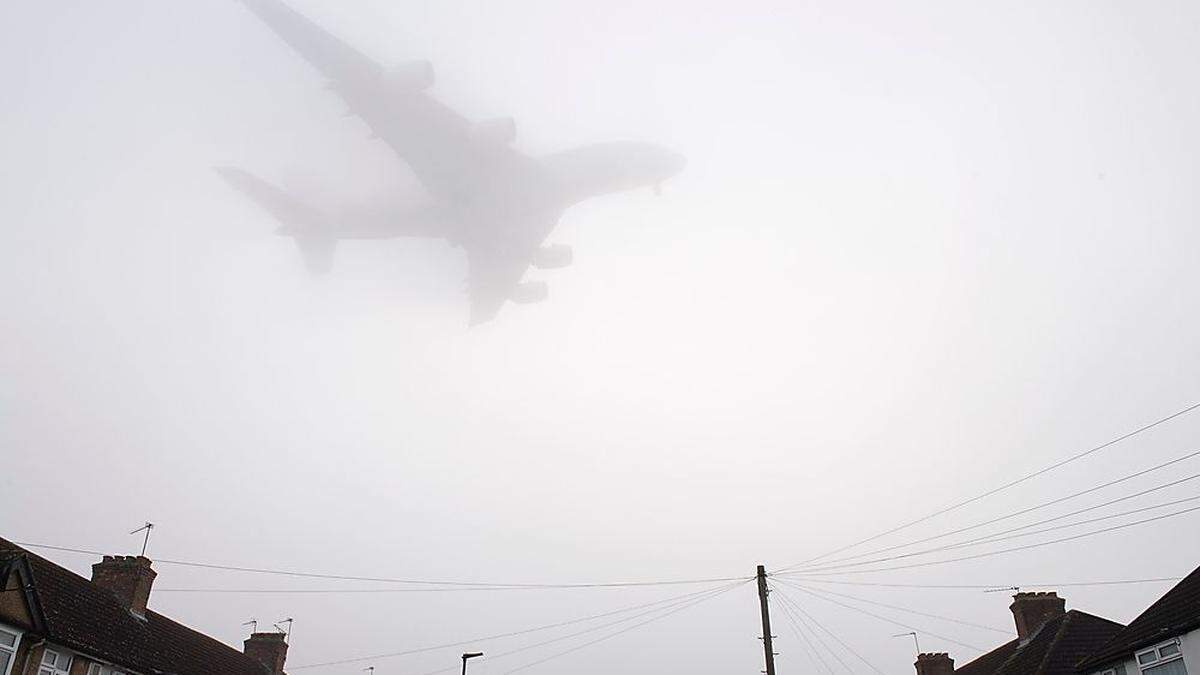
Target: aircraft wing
(284,207)
(438,143)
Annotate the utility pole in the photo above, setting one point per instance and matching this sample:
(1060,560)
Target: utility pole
(768,648)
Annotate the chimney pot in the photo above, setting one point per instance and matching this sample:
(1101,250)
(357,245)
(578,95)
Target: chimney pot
(269,649)
(129,578)
(1031,611)
(938,663)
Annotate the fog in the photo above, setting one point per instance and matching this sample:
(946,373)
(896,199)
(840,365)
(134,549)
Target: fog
(918,250)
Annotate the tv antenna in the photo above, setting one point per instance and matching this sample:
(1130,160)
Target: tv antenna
(253,623)
(287,632)
(370,669)
(1002,590)
(145,540)
(914,637)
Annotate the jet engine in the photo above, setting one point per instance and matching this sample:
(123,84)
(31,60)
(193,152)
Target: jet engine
(553,257)
(528,292)
(500,131)
(411,76)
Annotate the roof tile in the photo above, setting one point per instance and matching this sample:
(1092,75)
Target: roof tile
(84,617)
(1176,612)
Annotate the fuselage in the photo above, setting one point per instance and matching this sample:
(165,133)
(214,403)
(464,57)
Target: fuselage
(568,178)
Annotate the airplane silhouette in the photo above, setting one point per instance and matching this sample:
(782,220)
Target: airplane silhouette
(485,196)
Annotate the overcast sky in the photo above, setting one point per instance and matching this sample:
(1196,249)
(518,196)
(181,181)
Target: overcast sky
(919,249)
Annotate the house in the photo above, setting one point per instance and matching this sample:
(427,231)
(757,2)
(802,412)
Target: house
(55,622)
(1163,640)
(1050,641)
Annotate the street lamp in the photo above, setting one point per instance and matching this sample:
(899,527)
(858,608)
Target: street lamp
(469,655)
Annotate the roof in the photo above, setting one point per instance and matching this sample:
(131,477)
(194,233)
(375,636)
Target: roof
(1175,613)
(989,662)
(84,617)
(1053,650)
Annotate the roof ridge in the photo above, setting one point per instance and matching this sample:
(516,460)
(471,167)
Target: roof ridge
(1095,616)
(1064,622)
(1021,646)
(982,658)
(1166,609)
(63,595)
(13,547)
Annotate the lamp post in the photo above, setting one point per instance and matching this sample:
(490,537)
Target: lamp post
(469,655)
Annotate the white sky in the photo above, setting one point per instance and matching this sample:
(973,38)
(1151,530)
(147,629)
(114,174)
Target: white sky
(919,249)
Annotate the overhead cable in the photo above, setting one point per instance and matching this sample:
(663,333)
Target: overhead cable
(1033,508)
(886,619)
(788,600)
(1003,550)
(669,602)
(974,587)
(421,582)
(626,629)
(812,648)
(797,620)
(1005,486)
(997,537)
(910,611)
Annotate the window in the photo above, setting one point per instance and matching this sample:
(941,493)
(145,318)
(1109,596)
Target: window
(1119,670)
(97,669)
(54,663)
(8,647)
(1164,659)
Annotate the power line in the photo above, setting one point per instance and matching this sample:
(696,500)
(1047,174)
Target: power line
(625,630)
(803,636)
(884,618)
(910,611)
(1034,508)
(809,649)
(336,591)
(669,602)
(972,587)
(821,641)
(788,600)
(422,582)
(1005,486)
(993,538)
(670,609)
(1008,550)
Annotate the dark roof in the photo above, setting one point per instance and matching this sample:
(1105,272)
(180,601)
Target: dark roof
(1174,613)
(1053,650)
(87,618)
(989,662)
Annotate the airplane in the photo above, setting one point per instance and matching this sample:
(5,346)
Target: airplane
(483,195)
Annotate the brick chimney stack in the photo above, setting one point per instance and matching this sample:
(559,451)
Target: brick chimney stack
(128,577)
(934,664)
(269,649)
(1031,611)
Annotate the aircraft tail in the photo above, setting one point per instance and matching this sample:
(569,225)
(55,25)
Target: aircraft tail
(309,227)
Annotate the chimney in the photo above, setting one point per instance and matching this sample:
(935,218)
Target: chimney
(128,577)
(934,664)
(1031,611)
(269,649)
